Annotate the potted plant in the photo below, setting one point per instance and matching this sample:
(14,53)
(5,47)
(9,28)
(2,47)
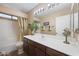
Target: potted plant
(34,27)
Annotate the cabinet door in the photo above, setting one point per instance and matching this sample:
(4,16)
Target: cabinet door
(36,49)
(39,52)
(25,46)
(40,47)
(31,50)
(52,52)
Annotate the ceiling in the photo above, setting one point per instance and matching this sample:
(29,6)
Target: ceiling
(24,7)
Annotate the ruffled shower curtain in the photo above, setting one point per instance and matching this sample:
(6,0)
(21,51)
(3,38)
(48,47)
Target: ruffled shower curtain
(23,23)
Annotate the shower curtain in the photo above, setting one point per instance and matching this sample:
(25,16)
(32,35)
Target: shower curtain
(23,22)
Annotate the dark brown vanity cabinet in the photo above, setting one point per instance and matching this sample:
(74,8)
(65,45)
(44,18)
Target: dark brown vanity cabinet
(31,50)
(52,52)
(25,45)
(36,49)
(39,52)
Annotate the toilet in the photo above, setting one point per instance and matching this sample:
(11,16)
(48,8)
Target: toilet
(19,46)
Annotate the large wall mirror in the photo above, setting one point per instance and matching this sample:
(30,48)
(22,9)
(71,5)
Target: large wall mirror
(70,21)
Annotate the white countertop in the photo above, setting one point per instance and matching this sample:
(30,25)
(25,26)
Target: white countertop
(56,42)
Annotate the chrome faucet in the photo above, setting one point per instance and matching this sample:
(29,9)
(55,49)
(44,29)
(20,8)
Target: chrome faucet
(66,33)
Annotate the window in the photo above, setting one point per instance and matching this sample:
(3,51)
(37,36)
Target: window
(8,16)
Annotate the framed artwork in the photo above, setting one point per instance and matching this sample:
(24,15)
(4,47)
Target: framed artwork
(46,23)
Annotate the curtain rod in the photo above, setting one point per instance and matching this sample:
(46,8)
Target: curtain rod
(11,15)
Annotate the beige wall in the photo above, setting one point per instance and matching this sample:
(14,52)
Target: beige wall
(12,11)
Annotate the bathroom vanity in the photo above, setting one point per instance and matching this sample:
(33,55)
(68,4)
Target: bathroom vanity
(48,45)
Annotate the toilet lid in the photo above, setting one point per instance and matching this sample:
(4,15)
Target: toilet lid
(19,43)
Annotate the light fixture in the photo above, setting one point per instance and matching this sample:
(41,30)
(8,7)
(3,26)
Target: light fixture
(34,13)
(49,5)
(39,10)
(42,9)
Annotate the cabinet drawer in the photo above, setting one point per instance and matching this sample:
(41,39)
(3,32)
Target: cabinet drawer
(39,46)
(25,45)
(31,50)
(31,42)
(39,52)
(52,52)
